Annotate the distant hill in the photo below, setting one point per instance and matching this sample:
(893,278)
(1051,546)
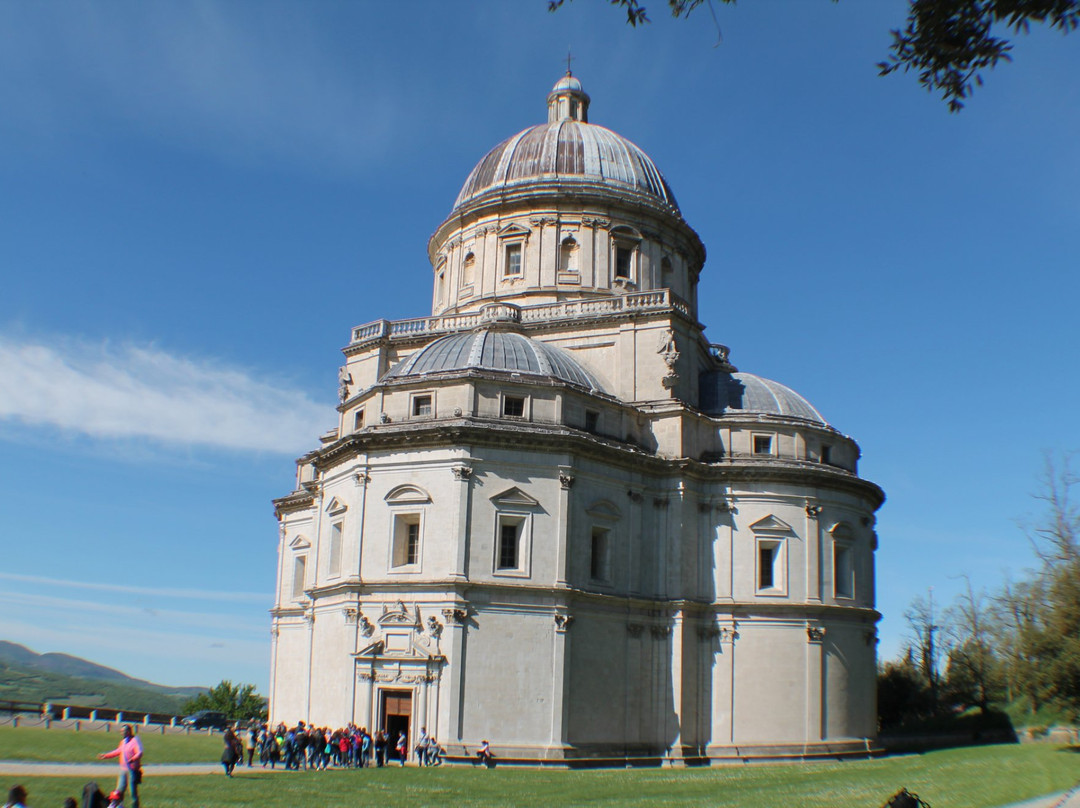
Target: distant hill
(65,679)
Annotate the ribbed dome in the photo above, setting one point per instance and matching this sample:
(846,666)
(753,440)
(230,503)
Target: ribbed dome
(567,151)
(505,351)
(745,393)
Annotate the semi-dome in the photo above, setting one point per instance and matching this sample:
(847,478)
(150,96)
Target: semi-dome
(568,150)
(502,351)
(744,393)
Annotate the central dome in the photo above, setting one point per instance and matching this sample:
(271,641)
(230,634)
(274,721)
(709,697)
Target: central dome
(567,150)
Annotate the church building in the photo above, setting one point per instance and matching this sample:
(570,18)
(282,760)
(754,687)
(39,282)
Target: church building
(554,516)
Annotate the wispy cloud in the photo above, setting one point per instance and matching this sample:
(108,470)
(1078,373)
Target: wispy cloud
(124,589)
(143,392)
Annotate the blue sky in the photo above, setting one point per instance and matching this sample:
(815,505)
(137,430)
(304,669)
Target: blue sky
(199,200)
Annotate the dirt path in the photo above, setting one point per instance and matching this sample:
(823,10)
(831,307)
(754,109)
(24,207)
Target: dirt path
(100,771)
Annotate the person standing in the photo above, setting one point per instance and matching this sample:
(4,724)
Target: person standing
(232,753)
(130,753)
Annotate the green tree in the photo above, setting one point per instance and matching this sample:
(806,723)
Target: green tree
(1052,643)
(947,42)
(975,674)
(902,694)
(236,701)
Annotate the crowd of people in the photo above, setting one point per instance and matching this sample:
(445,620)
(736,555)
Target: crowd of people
(299,747)
(318,748)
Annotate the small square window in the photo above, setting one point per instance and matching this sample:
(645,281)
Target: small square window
(358,420)
(592,420)
(512,266)
(422,406)
(763,444)
(514,406)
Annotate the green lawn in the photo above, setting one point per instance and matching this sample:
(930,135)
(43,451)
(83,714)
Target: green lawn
(68,746)
(977,777)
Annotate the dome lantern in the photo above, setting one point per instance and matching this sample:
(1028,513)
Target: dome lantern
(568,101)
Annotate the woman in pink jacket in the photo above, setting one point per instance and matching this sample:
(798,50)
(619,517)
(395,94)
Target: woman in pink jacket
(130,753)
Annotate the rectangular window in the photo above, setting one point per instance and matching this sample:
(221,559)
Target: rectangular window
(592,420)
(508,545)
(358,420)
(512,266)
(299,571)
(843,571)
(422,406)
(623,258)
(766,564)
(598,559)
(335,548)
(770,566)
(762,444)
(826,454)
(406,549)
(514,406)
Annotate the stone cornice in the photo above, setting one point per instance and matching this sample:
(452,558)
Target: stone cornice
(438,591)
(553,194)
(470,431)
(296,501)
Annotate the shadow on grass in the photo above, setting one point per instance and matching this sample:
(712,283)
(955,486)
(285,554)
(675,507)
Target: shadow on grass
(950,731)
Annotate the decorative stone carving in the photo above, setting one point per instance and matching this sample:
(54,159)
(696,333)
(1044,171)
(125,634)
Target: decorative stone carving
(540,221)
(708,632)
(660,632)
(813,511)
(563,621)
(593,221)
(728,634)
(365,676)
(456,616)
(566,480)
(366,627)
(634,629)
(362,478)
(344,380)
(815,633)
(462,473)
(434,627)
(669,351)
(399,615)
(384,418)
(660,502)
(633,496)
(457,412)
(870,637)
(350,615)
